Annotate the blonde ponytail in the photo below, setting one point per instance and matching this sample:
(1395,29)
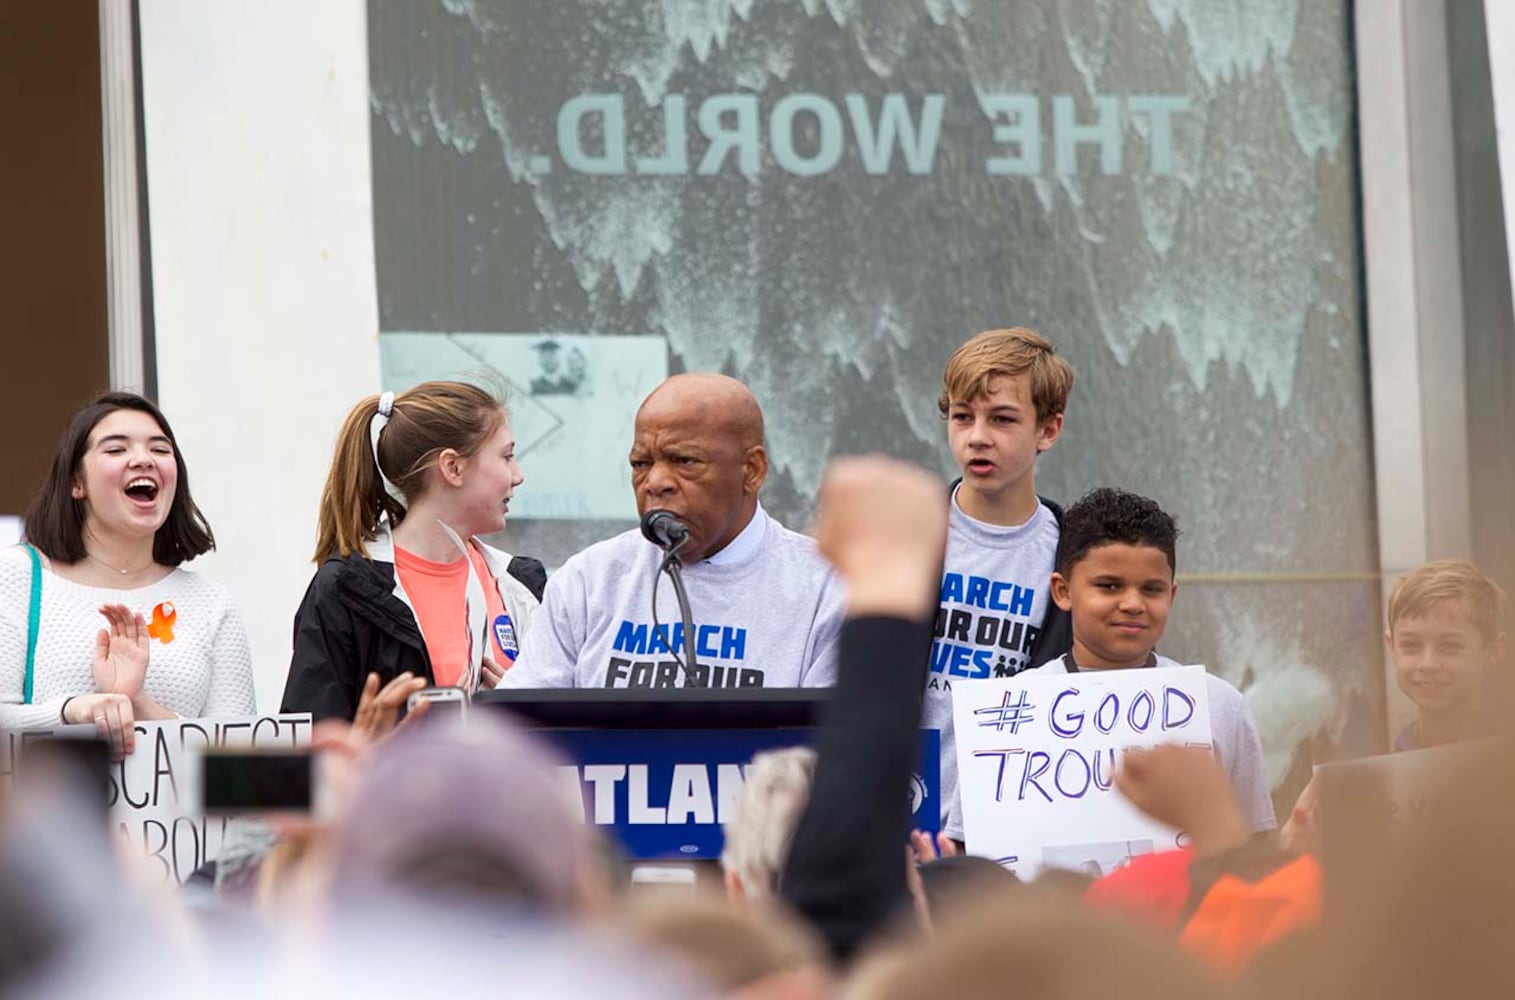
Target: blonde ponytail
(353,499)
(424,421)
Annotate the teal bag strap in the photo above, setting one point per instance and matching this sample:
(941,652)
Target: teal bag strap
(32,618)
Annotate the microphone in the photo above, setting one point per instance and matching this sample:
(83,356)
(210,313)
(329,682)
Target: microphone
(664,529)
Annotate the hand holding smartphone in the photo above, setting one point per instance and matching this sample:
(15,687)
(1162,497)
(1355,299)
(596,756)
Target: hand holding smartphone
(441,702)
(655,879)
(248,781)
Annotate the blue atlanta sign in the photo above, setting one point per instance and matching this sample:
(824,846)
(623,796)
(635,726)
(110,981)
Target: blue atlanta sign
(667,792)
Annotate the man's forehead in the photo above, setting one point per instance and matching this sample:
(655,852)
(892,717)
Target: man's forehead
(677,434)
(715,412)
(681,416)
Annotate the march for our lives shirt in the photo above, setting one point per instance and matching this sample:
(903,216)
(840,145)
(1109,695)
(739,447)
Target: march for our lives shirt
(767,610)
(993,602)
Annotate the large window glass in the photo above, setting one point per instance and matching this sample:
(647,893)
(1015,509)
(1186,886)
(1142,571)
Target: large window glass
(824,197)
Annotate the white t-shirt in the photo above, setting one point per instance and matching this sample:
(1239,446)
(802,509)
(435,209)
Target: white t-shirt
(995,585)
(767,613)
(198,665)
(1236,745)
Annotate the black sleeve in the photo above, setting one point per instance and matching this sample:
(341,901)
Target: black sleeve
(846,867)
(530,572)
(1056,636)
(1055,639)
(322,671)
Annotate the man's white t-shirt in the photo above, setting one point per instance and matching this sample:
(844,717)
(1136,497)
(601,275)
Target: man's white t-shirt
(767,610)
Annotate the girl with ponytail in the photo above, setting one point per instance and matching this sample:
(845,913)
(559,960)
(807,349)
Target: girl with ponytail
(404,585)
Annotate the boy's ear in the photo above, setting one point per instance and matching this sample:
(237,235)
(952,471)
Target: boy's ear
(1060,595)
(1049,431)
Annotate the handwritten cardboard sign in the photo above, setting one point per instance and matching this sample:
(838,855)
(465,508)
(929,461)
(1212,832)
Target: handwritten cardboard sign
(1037,755)
(1397,794)
(153,794)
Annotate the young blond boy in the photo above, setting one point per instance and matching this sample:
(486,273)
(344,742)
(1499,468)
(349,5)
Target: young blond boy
(1003,396)
(1445,641)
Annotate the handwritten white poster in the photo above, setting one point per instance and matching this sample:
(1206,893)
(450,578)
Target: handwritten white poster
(154,792)
(1037,755)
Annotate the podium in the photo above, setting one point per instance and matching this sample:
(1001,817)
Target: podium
(664,769)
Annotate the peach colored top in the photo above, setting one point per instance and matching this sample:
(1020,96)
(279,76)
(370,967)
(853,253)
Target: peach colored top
(439,594)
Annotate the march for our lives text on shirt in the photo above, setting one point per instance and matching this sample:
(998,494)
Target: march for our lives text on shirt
(982,627)
(718,649)
(994,599)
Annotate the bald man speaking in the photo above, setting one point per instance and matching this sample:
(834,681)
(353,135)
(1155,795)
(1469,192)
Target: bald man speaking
(767,607)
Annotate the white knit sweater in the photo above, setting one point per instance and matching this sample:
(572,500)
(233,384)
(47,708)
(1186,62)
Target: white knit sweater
(199,664)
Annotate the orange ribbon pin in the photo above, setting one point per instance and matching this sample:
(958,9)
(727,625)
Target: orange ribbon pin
(162,625)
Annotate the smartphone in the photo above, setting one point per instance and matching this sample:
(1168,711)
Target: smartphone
(246,781)
(660,879)
(81,761)
(446,702)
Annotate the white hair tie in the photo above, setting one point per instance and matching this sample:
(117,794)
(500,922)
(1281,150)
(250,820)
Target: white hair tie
(376,426)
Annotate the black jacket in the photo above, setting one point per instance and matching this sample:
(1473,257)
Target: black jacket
(845,872)
(1056,635)
(351,623)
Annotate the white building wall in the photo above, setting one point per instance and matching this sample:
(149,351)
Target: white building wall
(256,120)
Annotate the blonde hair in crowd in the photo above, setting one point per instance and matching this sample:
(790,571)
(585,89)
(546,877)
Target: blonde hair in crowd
(1444,582)
(1016,351)
(729,947)
(426,420)
(775,792)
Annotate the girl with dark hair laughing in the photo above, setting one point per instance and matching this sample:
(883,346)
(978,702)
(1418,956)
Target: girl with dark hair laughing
(98,622)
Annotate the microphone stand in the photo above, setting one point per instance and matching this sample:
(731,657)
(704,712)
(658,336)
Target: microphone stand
(675,571)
